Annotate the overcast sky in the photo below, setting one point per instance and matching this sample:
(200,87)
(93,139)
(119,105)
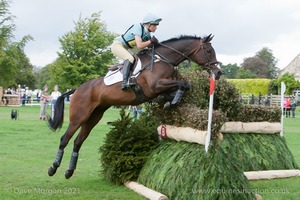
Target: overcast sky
(241,27)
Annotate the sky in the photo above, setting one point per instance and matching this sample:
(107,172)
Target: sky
(241,28)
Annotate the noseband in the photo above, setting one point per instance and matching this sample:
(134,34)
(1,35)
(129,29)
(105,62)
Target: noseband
(208,63)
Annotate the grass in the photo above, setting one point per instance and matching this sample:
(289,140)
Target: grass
(284,189)
(28,149)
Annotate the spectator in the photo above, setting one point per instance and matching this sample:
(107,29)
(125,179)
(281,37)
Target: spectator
(267,100)
(38,96)
(28,95)
(54,95)
(137,110)
(23,97)
(294,104)
(288,107)
(45,97)
(8,91)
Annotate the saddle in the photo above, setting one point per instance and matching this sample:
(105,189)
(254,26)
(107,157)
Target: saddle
(115,73)
(121,65)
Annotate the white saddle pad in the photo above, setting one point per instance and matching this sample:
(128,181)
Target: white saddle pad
(116,76)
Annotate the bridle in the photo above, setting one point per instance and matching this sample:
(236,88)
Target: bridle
(194,52)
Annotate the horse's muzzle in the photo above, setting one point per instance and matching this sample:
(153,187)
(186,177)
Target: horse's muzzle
(213,68)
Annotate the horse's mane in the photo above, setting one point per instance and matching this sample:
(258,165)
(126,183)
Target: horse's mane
(182,37)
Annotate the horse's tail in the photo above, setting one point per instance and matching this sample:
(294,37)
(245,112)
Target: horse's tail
(57,121)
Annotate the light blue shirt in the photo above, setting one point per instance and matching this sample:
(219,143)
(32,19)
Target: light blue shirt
(135,29)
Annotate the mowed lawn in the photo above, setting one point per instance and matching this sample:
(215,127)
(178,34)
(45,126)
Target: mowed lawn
(28,148)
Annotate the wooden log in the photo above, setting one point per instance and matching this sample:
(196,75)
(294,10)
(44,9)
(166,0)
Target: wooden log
(271,174)
(144,191)
(186,134)
(251,127)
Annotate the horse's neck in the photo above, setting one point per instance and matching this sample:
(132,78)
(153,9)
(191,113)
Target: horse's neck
(176,52)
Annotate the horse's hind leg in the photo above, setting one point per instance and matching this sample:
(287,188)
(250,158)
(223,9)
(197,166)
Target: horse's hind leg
(63,143)
(83,134)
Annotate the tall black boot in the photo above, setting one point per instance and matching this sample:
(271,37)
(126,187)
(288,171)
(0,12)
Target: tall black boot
(126,70)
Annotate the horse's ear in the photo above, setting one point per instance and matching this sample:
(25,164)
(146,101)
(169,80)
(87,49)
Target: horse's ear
(208,38)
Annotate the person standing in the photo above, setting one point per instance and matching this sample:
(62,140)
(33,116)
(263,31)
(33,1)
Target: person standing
(137,110)
(44,100)
(54,95)
(294,104)
(138,35)
(288,108)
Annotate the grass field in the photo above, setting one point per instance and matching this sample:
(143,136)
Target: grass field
(28,149)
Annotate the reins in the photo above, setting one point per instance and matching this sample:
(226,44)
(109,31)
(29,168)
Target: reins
(201,47)
(189,58)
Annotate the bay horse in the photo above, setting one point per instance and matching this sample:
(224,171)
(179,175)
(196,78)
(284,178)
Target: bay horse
(91,99)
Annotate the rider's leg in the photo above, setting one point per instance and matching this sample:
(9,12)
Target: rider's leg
(126,72)
(120,51)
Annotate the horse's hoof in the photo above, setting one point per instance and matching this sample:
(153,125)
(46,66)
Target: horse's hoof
(51,171)
(69,173)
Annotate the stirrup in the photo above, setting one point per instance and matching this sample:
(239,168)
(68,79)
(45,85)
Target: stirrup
(125,87)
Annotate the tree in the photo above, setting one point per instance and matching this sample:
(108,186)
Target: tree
(85,53)
(15,67)
(290,82)
(256,66)
(7,70)
(230,71)
(245,73)
(42,76)
(263,64)
(267,56)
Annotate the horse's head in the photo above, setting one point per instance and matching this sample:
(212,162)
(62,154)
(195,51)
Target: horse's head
(205,56)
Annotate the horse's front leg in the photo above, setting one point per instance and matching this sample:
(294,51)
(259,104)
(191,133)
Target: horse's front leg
(182,87)
(171,86)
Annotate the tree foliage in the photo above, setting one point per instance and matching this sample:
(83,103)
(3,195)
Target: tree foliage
(15,67)
(256,65)
(267,56)
(262,65)
(230,71)
(245,73)
(290,82)
(85,53)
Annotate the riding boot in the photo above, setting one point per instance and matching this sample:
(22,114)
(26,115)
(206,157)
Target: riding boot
(126,71)
(177,97)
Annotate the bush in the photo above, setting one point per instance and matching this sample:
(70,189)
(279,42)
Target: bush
(126,147)
(251,86)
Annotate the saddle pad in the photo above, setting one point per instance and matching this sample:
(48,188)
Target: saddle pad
(116,76)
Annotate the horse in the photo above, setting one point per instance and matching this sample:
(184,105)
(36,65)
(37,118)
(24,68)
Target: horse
(157,77)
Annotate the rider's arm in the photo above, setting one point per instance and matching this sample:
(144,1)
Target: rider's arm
(140,44)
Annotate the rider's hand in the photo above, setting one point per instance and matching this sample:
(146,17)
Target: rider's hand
(154,40)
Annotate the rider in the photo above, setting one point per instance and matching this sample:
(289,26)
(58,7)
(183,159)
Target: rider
(137,35)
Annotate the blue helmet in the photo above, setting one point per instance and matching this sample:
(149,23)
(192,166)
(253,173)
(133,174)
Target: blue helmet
(151,19)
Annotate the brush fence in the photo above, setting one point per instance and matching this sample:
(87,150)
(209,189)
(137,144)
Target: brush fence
(188,134)
(191,135)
